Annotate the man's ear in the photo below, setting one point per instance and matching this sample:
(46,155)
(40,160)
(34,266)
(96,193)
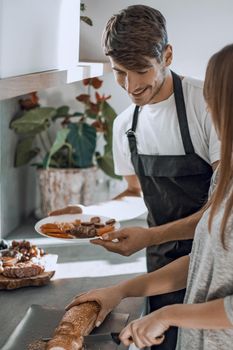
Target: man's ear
(168,55)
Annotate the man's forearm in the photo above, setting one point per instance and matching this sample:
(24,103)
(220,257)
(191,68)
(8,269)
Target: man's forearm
(209,315)
(133,187)
(174,231)
(169,278)
(129,192)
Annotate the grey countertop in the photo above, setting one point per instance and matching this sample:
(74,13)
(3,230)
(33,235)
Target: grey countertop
(58,293)
(80,268)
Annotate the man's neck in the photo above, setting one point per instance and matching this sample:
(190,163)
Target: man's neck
(166,90)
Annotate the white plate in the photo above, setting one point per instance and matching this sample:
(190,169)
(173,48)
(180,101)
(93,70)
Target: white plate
(124,209)
(70,218)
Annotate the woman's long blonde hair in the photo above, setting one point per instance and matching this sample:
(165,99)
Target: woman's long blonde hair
(218,93)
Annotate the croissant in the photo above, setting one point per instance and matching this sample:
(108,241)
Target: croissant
(77,322)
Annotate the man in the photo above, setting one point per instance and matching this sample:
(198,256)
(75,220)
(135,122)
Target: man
(163,144)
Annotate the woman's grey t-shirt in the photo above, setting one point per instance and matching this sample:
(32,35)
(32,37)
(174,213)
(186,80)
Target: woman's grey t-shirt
(213,182)
(210,277)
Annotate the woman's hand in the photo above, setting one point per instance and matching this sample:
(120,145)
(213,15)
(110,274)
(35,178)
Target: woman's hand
(107,298)
(70,209)
(146,331)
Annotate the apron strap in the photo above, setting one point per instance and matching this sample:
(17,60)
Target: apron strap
(135,118)
(182,118)
(181,113)
(131,132)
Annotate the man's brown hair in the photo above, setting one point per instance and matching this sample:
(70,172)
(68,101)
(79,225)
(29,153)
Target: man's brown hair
(134,33)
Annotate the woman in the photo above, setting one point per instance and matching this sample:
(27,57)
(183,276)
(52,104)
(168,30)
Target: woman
(206,317)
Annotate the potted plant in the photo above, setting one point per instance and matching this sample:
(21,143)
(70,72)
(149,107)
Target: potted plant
(65,145)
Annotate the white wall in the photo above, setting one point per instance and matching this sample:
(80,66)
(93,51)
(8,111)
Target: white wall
(196,29)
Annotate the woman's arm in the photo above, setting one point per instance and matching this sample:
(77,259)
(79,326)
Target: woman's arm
(150,329)
(169,278)
(209,315)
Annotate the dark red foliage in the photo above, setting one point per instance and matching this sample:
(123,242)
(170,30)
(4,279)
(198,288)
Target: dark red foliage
(30,102)
(85,98)
(99,126)
(95,82)
(102,98)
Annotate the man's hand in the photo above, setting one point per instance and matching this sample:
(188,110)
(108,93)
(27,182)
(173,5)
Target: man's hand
(146,331)
(70,209)
(127,240)
(107,298)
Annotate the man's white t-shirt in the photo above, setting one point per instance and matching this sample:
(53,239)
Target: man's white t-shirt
(158,131)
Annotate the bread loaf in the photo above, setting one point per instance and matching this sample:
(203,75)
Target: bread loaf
(23,270)
(77,322)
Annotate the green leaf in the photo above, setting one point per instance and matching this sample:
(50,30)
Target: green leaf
(109,115)
(108,112)
(82,137)
(82,6)
(59,142)
(25,152)
(61,112)
(90,114)
(87,20)
(38,165)
(34,121)
(78,114)
(105,163)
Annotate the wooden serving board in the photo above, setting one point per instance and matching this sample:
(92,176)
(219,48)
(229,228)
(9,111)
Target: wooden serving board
(14,283)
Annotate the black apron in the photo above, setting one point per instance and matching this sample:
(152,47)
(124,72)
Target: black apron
(173,186)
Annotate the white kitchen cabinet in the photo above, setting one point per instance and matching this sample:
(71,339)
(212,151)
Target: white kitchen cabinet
(39,46)
(38,35)
(23,84)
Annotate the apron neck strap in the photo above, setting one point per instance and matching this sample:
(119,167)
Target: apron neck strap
(182,118)
(135,118)
(181,113)
(131,132)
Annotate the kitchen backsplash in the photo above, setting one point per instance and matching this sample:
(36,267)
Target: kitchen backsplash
(17,195)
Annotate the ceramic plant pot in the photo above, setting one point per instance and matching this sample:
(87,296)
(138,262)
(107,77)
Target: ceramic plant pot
(60,187)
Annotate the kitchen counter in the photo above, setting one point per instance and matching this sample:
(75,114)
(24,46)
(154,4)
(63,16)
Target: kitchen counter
(58,293)
(80,268)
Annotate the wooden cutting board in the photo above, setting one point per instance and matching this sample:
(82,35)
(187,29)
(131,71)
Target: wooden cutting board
(14,283)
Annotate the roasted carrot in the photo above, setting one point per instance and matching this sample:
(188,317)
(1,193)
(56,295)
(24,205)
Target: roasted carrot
(51,230)
(60,235)
(49,225)
(105,229)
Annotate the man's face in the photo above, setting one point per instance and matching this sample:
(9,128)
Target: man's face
(144,85)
